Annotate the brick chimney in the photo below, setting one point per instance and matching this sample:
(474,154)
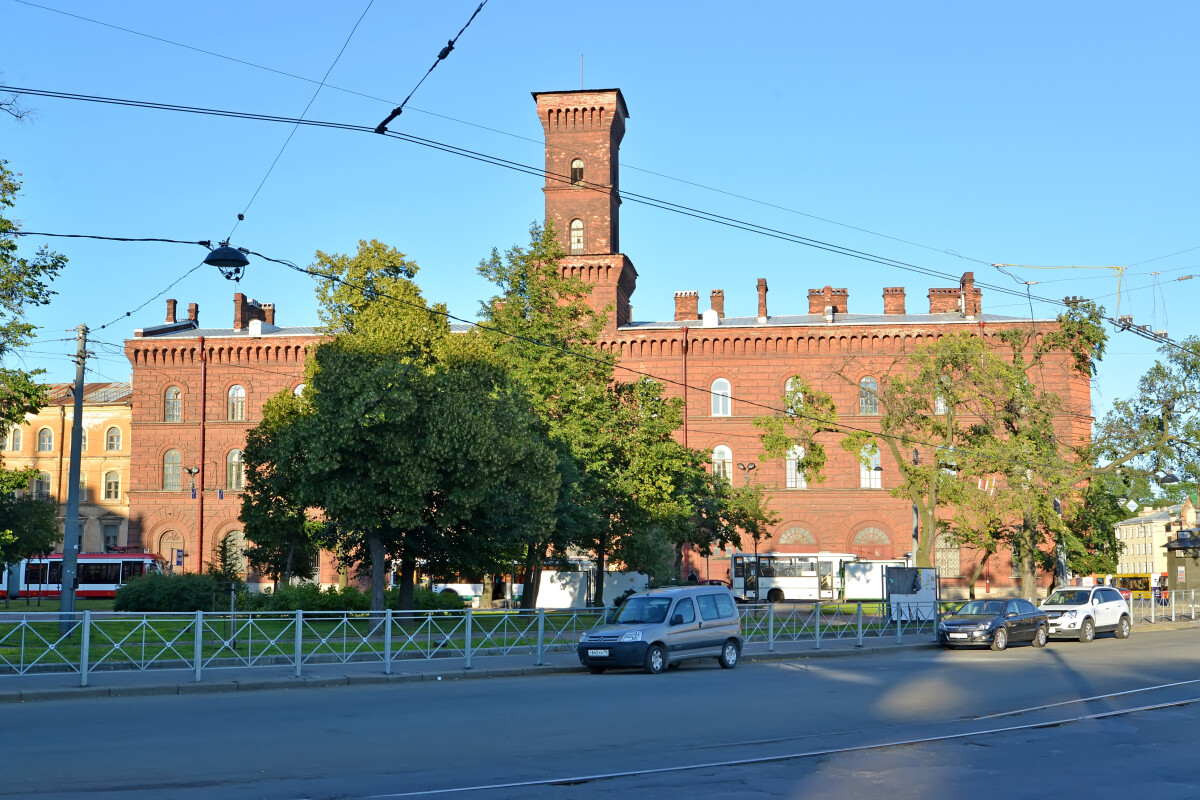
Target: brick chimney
(762,300)
(687,306)
(821,299)
(170,311)
(718,302)
(965,299)
(893,300)
(246,309)
(268,313)
(194,313)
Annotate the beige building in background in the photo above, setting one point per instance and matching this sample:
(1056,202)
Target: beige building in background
(43,442)
(1145,538)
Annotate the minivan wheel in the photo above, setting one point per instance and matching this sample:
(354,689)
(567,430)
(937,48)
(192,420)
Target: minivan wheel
(656,659)
(1001,639)
(1123,628)
(1088,631)
(729,655)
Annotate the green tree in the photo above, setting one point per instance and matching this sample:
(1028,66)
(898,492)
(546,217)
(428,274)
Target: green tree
(28,527)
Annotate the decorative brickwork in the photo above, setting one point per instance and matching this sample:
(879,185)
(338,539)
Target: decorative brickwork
(821,299)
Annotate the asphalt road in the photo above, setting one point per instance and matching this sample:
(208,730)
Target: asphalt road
(913,724)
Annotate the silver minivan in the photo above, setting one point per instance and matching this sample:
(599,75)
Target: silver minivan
(662,627)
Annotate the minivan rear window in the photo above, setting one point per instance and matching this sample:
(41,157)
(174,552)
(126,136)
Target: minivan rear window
(725,606)
(708,606)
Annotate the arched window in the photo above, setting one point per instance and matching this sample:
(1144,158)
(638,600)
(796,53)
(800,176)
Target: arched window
(793,399)
(870,471)
(14,441)
(868,396)
(299,390)
(112,439)
(83,441)
(871,543)
(112,485)
(722,461)
(577,172)
(796,535)
(795,475)
(41,486)
(947,556)
(577,237)
(237,403)
(939,404)
(721,405)
(235,471)
(172,471)
(45,440)
(173,405)
(235,544)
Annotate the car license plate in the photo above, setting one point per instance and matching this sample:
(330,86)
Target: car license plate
(597,654)
(958,636)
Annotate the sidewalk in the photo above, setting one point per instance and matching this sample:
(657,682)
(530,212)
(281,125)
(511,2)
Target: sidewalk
(133,683)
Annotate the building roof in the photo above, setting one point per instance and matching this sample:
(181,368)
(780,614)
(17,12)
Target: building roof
(818,320)
(1160,515)
(221,333)
(62,394)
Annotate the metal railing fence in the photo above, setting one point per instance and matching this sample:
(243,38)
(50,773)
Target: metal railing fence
(791,622)
(1179,605)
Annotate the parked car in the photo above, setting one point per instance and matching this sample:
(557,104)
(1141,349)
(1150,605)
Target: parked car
(1080,612)
(997,623)
(663,627)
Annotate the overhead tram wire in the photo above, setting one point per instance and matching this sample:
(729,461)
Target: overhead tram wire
(296,127)
(441,56)
(510,134)
(524,168)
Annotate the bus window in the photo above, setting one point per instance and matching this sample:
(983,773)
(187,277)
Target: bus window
(806,568)
(766,567)
(785,567)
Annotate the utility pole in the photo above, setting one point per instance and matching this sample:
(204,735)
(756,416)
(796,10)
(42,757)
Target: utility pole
(71,525)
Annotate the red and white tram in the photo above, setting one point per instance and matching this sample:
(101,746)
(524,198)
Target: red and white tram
(98,574)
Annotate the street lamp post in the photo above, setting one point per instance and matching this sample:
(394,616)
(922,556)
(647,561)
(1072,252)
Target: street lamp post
(746,470)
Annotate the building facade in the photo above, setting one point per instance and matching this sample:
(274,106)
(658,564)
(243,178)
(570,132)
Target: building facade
(198,390)
(733,368)
(1144,538)
(43,442)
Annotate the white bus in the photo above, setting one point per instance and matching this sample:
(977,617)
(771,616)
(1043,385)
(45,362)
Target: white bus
(774,577)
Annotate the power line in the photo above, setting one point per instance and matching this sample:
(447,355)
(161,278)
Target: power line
(456,120)
(441,56)
(296,127)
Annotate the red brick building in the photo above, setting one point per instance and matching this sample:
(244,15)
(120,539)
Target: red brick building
(738,366)
(197,390)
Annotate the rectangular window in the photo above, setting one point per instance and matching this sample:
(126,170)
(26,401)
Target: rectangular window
(99,573)
(795,475)
(131,570)
(725,606)
(112,533)
(112,486)
(708,606)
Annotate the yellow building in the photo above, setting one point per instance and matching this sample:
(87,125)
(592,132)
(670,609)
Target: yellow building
(1145,536)
(44,443)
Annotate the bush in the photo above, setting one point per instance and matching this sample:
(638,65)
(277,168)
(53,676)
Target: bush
(307,597)
(175,593)
(427,600)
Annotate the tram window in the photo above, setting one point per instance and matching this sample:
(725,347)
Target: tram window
(131,570)
(35,574)
(99,573)
(55,572)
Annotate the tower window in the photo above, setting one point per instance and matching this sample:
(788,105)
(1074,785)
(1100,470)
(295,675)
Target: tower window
(576,237)
(576,172)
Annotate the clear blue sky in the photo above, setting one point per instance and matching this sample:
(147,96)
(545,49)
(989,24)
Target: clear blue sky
(1041,134)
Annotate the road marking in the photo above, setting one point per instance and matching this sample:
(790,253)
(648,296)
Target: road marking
(1085,699)
(741,762)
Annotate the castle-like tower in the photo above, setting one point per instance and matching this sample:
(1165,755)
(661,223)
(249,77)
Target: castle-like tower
(583,135)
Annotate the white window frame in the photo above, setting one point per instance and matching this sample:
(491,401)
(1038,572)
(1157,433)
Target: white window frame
(235,471)
(112,489)
(45,440)
(868,396)
(173,406)
(795,475)
(172,476)
(722,462)
(722,398)
(575,243)
(112,436)
(236,405)
(868,476)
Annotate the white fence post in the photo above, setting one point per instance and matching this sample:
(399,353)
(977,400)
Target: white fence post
(467,649)
(817,613)
(198,650)
(541,644)
(387,642)
(771,627)
(83,650)
(299,640)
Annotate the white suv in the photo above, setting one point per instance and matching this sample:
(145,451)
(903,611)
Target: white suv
(1080,612)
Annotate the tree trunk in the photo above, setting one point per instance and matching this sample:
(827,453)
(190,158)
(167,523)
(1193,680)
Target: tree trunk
(287,564)
(534,556)
(485,594)
(598,595)
(378,569)
(975,576)
(408,580)
(1026,548)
